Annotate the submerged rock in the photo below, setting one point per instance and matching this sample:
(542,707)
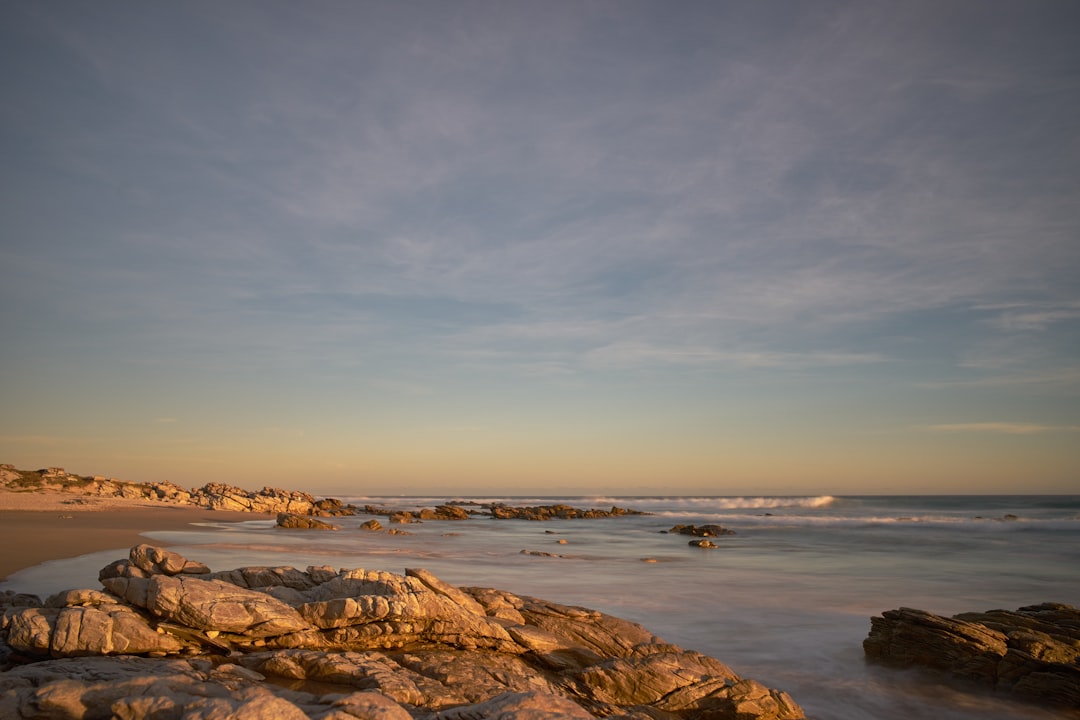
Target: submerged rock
(394,646)
(303,522)
(1032,653)
(701,531)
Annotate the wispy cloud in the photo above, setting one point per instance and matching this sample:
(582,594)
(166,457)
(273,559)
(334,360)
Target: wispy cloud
(386,201)
(631,354)
(1032,317)
(1001,428)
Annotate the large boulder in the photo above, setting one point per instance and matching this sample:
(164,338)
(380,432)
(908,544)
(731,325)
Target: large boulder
(219,606)
(154,560)
(1033,652)
(105,629)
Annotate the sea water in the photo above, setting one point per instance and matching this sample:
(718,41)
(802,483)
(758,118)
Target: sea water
(787,600)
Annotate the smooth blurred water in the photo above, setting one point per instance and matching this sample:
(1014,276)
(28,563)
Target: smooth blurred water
(787,600)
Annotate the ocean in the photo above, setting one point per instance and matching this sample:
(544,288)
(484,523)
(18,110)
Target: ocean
(787,600)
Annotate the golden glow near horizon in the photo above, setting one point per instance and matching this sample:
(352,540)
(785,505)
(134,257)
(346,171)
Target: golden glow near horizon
(531,255)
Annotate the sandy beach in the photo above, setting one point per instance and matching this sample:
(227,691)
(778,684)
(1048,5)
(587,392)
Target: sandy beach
(40,526)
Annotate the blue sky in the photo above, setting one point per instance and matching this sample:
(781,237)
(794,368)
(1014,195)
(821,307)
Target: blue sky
(636,247)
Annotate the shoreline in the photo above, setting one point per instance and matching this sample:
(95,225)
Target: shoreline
(39,527)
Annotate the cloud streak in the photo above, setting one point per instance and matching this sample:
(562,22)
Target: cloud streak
(1002,428)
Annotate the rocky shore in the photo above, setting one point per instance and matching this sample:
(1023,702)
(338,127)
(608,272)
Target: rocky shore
(165,638)
(272,501)
(1032,653)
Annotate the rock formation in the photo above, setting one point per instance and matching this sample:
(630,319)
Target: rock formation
(272,501)
(219,496)
(500,511)
(1033,653)
(215,496)
(303,522)
(166,640)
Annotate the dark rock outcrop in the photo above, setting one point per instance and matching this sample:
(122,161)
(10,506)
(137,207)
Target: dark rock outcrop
(1032,653)
(500,511)
(702,530)
(302,522)
(163,643)
(445,512)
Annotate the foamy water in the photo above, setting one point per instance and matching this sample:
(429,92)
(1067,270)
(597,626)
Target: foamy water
(787,600)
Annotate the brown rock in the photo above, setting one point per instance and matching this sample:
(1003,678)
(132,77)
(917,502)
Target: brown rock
(303,522)
(152,560)
(81,631)
(1033,653)
(460,598)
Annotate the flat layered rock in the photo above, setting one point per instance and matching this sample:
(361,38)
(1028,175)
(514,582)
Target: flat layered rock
(1032,653)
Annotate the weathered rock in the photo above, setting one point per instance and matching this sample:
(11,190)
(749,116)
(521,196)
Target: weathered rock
(371,525)
(1033,653)
(219,606)
(703,543)
(332,507)
(294,521)
(396,641)
(130,688)
(218,496)
(268,578)
(81,631)
(459,597)
(445,512)
(83,597)
(154,560)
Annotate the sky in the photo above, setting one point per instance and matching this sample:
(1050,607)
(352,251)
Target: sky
(637,248)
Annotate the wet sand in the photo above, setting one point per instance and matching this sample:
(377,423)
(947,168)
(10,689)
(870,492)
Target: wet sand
(58,528)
